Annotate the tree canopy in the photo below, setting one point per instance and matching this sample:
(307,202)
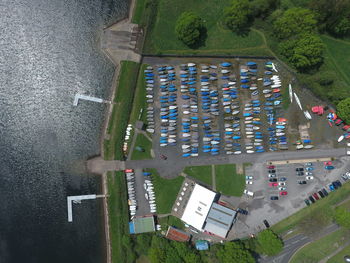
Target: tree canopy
(269,242)
(343,110)
(234,252)
(304,52)
(189,28)
(236,16)
(295,21)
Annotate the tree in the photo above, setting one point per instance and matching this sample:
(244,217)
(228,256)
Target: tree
(234,252)
(189,28)
(269,242)
(262,8)
(343,110)
(236,16)
(304,52)
(342,27)
(293,22)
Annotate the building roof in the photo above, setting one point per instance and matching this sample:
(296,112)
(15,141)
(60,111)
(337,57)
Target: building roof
(219,220)
(177,234)
(142,225)
(202,245)
(198,206)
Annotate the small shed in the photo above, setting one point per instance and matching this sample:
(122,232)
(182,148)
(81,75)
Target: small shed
(202,245)
(177,234)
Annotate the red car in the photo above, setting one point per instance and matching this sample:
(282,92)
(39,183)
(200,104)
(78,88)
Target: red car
(273,184)
(271,167)
(129,170)
(328,163)
(283,193)
(316,196)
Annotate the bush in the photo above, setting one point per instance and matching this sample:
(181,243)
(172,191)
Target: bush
(343,110)
(269,242)
(189,28)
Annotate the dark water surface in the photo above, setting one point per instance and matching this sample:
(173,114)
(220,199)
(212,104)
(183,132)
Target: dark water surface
(48,52)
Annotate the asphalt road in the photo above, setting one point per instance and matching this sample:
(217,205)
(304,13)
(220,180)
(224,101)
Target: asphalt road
(291,245)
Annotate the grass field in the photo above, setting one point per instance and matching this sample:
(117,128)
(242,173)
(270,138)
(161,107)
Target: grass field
(118,215)
(339,52)
(228,182)
(339,257)
(146,144)
(161,38)
(321,248)
(202,173)
(166,191)
(138,11)
(121,110)
(323,204)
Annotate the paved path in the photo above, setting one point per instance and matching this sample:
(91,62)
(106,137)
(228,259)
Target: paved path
(171,167)
(292,245)
(325,260)
(213,177)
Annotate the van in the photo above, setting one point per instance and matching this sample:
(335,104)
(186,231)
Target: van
(249,193)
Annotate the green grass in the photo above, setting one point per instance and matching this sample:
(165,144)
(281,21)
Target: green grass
(326,203)
(339,257)
(202,173)
(139,102)
(166,191)
(121,111)
(228,182)
(138,11)
(339,53)
(321,248)
(118,214)
(171,221)
(146,144)
(161,38)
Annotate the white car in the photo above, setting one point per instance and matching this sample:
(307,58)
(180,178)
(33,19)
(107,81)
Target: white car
(272,175)
(249,193)
(309,177)
(248,177)
(308,173)
(281,183)
(248,182)
(282,188)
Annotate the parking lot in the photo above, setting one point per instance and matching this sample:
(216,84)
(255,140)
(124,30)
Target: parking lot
(216,108)
(262,207)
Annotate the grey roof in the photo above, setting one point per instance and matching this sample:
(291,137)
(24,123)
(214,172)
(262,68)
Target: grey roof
(219,220)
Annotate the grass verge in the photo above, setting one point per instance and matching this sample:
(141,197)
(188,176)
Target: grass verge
(137,16)
(144,143)
(171,221)
(324,204)
(228,182)
(202,173)
(121,111)
(339,257)
(118,214)
(320,249)
(166,191)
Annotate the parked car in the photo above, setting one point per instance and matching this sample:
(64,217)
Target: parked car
(273,184)
(273,179)
(272,171)
(274,197)
(309,168)
(283,193)
(242,211)
(301,182)
(315,195)
(299,169)
(309,164)
(345,177)
(331,187)
(309,173)
(300,173)
(312,199)
(271,167)
(281,183)
(248,177)
(307,202)
(309,177)
(329,167)
(267,223)
(321,194)
(272,175)
(249,193)
(282,179)
(324,191)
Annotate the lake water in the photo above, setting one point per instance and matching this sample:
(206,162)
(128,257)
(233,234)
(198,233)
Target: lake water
(48,52)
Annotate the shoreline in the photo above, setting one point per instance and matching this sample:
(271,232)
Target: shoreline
(104,133)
